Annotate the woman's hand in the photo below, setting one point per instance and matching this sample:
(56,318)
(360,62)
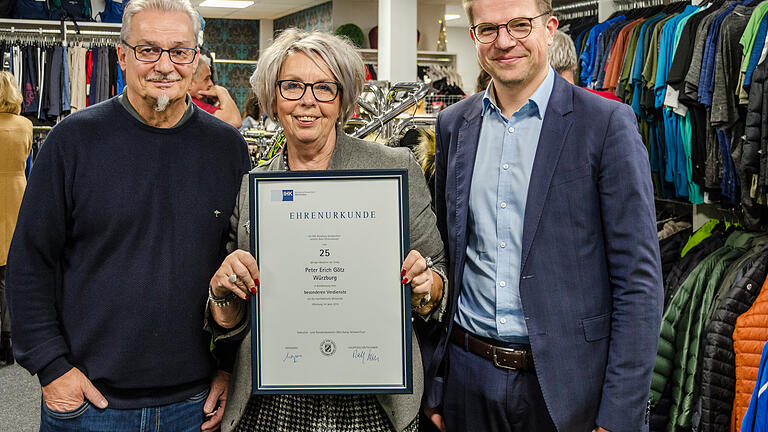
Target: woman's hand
(239,274)
(425,291)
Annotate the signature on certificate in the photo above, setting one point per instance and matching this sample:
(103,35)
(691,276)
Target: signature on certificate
(292,358)
(365,356)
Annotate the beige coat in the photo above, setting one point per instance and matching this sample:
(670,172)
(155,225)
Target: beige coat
(15,144)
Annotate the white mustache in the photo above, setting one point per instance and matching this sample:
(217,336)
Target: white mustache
(160,77)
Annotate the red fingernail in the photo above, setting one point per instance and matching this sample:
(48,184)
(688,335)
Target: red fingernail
(402,272)
(253,290)
(405,281)
(256,282)
(247,297)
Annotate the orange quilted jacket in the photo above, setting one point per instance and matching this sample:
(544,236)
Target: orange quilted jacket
(750,334)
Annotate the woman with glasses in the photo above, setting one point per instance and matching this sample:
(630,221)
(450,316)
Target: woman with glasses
(309,82)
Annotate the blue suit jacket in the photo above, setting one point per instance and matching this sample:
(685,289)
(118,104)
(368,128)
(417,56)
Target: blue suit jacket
(590,282)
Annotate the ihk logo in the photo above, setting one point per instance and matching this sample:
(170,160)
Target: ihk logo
(288,195)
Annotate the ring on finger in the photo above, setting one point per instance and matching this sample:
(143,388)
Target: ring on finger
(425,300)
(233,278)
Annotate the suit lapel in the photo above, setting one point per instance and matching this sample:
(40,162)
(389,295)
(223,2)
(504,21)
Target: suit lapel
(466,150)
(554,130)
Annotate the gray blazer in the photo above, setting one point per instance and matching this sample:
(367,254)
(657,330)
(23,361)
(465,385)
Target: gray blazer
(349,153)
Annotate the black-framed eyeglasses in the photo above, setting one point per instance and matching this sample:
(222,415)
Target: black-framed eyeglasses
(152,53)
(518,28)
(323,91)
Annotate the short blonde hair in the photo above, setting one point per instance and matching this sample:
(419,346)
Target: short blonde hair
(10,95)
(337,53)
(544,6)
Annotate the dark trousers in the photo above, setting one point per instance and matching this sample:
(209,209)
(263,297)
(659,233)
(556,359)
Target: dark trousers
(479,396)
(5,316)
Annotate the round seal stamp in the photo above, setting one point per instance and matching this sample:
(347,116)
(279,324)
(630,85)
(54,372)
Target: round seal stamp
(328,347)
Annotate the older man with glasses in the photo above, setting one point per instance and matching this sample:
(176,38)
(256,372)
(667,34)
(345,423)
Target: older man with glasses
(543,195)
(123,222)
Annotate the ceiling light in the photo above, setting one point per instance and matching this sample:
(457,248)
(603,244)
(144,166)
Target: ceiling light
(449,17)
(232,4)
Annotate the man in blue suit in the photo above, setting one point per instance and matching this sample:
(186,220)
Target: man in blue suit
(543,196)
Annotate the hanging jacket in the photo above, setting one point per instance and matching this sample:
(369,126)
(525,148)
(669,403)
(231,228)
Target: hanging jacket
(718,374)
(756,418)
(672,280)
(681,329)
(754,159)
(683,268)
(750,334)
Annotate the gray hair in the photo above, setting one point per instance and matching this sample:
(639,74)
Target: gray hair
(203,60)
(337,53)
(542,5)
(562,53)
(135,6)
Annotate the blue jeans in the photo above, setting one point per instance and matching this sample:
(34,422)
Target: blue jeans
(186,416)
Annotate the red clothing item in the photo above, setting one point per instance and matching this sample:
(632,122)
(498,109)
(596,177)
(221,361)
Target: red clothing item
(88,73)
(205,106)
(605,94)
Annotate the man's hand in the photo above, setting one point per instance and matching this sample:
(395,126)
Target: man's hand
(435,417)
(217,93)
(70,390)
(216,401)
(228,110)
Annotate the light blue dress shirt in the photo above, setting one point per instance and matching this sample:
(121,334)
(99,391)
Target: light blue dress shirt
(489,304)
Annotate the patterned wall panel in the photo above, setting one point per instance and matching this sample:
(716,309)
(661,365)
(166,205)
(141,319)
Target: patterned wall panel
(318,17)
(233,39)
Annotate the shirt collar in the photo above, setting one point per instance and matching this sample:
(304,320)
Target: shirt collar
(538,100)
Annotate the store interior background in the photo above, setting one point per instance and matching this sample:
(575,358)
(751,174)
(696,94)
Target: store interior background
(241,34)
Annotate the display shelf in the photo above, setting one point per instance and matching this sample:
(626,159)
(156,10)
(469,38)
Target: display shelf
(423,58)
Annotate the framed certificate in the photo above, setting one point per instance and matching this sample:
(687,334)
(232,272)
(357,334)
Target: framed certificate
(331,314)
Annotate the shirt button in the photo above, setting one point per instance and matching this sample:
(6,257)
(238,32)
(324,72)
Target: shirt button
(503,205)
(505,166)
(503,244)
(502,283)
(503,320)
(511,130)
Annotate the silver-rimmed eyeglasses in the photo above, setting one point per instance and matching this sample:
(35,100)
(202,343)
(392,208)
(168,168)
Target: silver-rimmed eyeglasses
(152,53)
(323,91)
(518,28)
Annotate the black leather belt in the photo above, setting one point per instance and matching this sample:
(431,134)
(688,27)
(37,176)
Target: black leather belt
(502,357)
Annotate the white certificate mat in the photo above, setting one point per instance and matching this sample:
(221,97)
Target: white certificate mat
(331,314)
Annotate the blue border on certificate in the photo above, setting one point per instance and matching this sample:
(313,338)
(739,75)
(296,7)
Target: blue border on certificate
(406,386)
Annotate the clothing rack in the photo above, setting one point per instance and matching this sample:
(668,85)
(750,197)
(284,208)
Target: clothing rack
(401,97)
(622,5)
(81,32)
(576,10)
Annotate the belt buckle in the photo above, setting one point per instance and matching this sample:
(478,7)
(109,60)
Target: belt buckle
(496,359)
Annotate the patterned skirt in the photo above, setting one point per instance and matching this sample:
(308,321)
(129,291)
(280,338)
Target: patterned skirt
(316,413)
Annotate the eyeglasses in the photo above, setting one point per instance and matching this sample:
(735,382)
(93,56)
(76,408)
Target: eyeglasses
(323,91)
(151,53)
(518,28)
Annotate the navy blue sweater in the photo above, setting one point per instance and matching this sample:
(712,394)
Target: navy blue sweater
(120,230)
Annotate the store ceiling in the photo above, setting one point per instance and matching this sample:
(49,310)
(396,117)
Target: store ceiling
(273,9)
